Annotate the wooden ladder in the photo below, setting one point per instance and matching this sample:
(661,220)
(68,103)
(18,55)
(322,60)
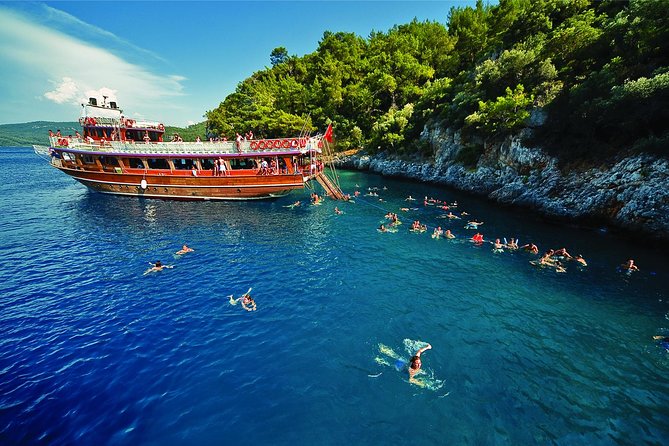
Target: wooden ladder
(330,188)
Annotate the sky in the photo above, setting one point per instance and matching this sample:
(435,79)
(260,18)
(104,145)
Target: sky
(169,61)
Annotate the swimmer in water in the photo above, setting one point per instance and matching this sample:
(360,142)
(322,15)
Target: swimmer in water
(513,244)
(184,249)
(562,252)
(247,301)
(382,228)
(473,224)
(531,247)
(337,211)
(409,198)
(629,266)
(580,260)
(448,234)
(155,267)
(415,363)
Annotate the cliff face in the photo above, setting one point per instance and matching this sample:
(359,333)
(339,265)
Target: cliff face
(631,194)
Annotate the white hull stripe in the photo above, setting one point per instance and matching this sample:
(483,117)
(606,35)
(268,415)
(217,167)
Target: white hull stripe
(84,180)
(193,197)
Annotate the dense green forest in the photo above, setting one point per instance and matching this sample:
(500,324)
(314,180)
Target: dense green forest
(598,71)
(29,133)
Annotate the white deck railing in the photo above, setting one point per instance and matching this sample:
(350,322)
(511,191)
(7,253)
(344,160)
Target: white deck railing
(185,148)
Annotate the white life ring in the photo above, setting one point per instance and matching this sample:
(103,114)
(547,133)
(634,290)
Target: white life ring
(143,184)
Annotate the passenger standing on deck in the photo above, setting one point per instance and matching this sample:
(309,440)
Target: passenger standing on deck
(222,167)
(239,143)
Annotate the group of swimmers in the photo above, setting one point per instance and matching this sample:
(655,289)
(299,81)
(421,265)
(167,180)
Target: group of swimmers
(554,258)
(246,300)
(158,265)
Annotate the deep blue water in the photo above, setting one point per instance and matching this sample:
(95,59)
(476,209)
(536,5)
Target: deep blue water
(94,352)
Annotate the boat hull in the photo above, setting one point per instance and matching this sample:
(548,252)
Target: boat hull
(181,187)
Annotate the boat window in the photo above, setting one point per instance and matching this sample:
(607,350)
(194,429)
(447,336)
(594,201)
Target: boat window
(88,159)
(207,163)
(183,164)
(109,161)
(158,163)
(244,163)
(101,133)
(67,156)
(135,163)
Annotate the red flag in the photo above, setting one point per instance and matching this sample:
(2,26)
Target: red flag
(328,134)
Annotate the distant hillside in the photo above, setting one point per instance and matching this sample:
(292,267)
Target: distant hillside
(37,132)
(29,133)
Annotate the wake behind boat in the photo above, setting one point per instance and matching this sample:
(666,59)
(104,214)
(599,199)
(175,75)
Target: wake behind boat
(121,156)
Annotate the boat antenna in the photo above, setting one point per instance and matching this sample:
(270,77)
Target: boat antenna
(303,132)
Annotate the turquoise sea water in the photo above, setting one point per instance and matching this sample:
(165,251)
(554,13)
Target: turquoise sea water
(94,352)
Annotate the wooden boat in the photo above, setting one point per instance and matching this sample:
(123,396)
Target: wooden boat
(121,156)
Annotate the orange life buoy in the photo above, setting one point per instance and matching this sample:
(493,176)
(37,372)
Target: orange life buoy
(261,144)
(254,145)
(285,144)
(303,142)
(293,143)
(277,143)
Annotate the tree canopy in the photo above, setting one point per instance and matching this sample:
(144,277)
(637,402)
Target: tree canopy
(598,69)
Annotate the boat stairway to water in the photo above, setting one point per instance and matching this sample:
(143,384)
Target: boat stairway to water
(331,189)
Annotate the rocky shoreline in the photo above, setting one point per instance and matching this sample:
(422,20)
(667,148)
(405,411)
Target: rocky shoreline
(630,194)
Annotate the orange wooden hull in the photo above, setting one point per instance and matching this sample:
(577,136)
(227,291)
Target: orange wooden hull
(183,187)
